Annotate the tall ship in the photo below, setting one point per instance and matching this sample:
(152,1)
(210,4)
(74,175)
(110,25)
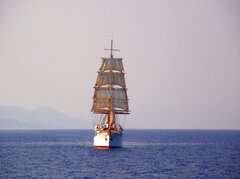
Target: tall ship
(110,102)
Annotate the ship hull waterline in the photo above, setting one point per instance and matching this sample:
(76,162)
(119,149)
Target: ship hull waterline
(105,141)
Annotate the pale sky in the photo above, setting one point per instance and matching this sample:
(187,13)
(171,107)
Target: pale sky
(182,58)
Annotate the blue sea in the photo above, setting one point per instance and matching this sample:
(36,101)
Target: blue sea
(145,154)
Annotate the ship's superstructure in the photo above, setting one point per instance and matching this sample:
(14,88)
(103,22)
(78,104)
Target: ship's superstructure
(110,101)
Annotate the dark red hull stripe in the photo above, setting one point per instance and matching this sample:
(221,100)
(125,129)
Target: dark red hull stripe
(106,147)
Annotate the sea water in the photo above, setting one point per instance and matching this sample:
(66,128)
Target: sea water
(145,154)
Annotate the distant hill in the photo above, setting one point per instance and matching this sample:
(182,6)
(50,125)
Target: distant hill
(41,118)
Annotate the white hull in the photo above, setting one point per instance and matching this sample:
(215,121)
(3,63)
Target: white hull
(105,140)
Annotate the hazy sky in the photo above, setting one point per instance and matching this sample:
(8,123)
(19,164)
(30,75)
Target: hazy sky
(182,58)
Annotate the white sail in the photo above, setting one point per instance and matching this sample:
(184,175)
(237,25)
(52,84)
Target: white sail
(111,64)
(115,93)
(104,104)
(100,104)
(121,104)
(106,78)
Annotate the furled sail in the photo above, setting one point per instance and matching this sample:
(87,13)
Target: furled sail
(111,64)
(114,78)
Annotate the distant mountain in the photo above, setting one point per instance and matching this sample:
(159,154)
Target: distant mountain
(41,118)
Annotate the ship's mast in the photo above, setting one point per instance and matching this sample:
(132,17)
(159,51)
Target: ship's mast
(110,96)
(111,49)
(111,54)
(111,115)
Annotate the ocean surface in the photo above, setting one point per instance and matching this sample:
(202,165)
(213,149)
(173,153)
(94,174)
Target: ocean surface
(145,154)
